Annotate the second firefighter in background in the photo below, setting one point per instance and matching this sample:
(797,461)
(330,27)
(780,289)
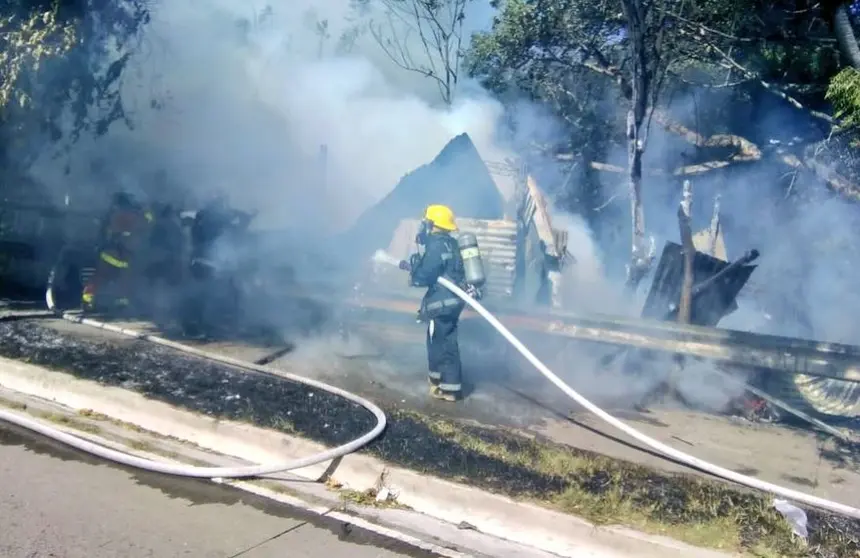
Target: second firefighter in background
(123,231)
(440,308)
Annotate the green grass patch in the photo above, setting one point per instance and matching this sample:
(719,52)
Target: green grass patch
(606,491)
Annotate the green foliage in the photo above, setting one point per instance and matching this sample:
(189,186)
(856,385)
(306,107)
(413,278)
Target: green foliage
(26,40)
(795,63)
(727,67)
(844,93)
(61,65)
(572,56)
(539,48)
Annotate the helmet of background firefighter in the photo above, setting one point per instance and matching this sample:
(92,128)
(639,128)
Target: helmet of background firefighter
(122,200)
(441,216)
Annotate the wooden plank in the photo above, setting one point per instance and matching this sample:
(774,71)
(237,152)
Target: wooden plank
(541,218)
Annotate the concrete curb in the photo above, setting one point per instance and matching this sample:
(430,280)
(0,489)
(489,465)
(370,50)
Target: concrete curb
(491,514)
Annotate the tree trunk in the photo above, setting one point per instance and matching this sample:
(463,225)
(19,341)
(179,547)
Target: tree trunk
(638,265)
(845,35)
(684,219)
(640,257)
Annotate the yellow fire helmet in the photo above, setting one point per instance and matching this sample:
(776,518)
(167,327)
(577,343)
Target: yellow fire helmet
(441,216)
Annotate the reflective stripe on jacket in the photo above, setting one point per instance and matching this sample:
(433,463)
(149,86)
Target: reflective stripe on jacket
(441,258)
(112,260)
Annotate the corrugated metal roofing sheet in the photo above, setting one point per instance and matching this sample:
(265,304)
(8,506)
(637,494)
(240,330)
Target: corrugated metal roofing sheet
(497,240)
(498,243)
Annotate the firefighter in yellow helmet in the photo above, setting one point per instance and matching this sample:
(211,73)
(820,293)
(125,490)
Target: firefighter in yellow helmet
(440,308)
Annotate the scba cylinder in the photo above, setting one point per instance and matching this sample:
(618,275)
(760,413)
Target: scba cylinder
(473,264)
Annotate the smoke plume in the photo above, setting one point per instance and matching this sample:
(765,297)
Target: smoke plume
(250,94)
(247,95)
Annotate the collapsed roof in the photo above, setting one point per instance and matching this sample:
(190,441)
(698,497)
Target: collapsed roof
(457,177)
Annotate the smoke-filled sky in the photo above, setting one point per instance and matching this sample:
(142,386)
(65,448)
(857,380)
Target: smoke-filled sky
(251,94)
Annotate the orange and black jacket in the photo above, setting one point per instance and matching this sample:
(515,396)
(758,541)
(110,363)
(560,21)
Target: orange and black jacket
(123,233)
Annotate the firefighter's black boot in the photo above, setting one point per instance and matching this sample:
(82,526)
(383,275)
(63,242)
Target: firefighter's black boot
(451,396)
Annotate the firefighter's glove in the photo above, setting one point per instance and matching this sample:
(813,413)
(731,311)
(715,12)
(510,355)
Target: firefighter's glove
(404,265)
(474,292)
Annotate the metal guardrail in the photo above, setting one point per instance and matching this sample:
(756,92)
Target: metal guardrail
(778,354)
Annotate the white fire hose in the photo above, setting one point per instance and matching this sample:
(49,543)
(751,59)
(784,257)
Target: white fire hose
(190,470)
(656,445)
(218,472)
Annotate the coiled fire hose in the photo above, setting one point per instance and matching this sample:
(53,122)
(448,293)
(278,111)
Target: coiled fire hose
(260,470)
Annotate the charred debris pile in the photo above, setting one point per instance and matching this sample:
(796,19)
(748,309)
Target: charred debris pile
(586,484)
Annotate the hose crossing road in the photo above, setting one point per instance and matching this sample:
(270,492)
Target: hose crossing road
(55,502)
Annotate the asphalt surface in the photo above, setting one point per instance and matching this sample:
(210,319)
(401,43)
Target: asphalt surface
(58,503)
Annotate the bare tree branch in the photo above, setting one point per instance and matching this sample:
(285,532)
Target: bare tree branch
(837,182)
(686,170)
(598,64)
(772,88)
(395,48)
(746,150)
(438,26)
(702,29)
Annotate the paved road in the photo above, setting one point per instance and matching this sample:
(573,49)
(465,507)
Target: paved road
(60,504)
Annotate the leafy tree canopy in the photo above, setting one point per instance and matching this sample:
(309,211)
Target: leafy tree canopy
(61,62)
(740,60)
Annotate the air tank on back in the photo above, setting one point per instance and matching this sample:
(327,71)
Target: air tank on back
(473,264)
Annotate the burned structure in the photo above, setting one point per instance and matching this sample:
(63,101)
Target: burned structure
(524,254)
(503,208)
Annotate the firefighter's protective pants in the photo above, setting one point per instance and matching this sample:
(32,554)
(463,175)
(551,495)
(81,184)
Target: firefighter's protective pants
(443,352)
(109,283)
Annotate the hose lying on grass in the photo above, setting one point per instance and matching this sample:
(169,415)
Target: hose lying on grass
(656,445)
(189,470)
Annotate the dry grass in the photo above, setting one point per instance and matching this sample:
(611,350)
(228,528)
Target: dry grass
(71,422)
(56,418)
(85,425)
(607,491)
(365,498)
(13,405)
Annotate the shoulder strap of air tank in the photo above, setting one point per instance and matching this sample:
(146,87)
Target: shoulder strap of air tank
(454,264)
(450,249)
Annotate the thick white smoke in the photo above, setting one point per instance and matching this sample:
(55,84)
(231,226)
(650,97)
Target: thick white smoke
(248,95)
(252,93)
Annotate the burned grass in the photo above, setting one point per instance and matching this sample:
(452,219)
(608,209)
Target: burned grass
(603,490)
